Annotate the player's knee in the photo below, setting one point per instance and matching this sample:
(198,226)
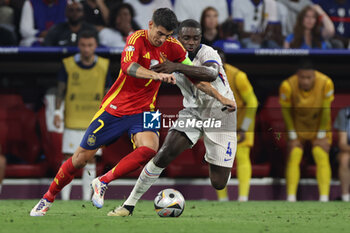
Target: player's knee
(218,184)
(344,159)
(2,161)
(82,156)
(164,156)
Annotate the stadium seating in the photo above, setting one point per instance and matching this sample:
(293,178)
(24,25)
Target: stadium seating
(19,138)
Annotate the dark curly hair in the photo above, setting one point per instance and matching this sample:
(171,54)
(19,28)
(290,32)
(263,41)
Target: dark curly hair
(115,12)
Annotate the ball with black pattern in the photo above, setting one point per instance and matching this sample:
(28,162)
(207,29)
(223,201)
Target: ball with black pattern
(169,203)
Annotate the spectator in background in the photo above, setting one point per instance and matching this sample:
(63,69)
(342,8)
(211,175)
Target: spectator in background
(121,26)
(82,83)
(66,34)
(339,12)
(312,28)
(96,12)
(342,124)
(38,16)
(258,24)
(306,99)
(288,11)
(6,13)
(185,9)
(210,26)
(229,34)
(144,9)
(247,104)
(2,168)
(7,27)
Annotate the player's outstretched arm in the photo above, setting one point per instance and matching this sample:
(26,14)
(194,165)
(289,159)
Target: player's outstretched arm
(138,71)
(208,72)
(208,89)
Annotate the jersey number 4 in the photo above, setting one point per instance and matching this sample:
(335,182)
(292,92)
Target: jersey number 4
(229,149)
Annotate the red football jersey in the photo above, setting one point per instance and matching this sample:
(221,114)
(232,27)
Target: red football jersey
(130,95)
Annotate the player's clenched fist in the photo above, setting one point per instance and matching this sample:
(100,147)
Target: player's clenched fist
(167,78)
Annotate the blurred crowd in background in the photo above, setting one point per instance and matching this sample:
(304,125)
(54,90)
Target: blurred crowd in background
(229,24)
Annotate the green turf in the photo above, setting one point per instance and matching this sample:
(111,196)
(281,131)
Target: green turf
(199,216)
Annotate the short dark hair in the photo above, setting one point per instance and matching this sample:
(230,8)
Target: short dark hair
(166,18)
(306,64)
(190,23)
(229,28)
(88,34)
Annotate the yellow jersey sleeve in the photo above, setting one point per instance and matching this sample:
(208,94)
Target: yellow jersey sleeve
(326,108)
(243,84)
(247,93)
(285,94)
(329,90)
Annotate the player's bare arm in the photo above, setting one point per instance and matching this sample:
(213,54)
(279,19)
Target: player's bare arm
(208,89)
(138,71)
(61,89)
(208,72)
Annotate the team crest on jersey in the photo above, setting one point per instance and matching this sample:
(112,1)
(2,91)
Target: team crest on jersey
(130,48)
(91,140)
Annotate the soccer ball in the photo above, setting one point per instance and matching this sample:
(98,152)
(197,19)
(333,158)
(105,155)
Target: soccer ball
(169,203)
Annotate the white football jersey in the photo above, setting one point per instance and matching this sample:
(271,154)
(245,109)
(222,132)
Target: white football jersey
(207,106)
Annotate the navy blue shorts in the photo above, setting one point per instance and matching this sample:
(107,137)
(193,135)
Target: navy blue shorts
(107,128)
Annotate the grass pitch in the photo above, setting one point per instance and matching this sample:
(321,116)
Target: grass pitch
(199,216)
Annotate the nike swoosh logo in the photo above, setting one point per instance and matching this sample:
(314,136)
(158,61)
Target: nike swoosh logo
(227,159)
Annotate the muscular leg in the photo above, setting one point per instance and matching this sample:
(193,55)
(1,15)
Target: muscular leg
(147,144)
(175,143)
(320,152)
(293,169)
(219,176)
(244,171)
(65,192)
(67,171)
(344,174)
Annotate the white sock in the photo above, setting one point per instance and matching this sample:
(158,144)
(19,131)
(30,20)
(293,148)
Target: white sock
(291,198)
(148,176)
(345,197)
(324,198)
(65,192)
(89,173)
(242,198)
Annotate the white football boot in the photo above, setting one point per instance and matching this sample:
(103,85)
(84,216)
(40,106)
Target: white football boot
(41,208)
(121,211)
(99,188)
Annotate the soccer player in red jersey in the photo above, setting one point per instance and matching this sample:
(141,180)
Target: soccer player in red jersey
(133,93)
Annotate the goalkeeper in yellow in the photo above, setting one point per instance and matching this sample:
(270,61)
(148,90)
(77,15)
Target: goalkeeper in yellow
(306,99)
(247,104)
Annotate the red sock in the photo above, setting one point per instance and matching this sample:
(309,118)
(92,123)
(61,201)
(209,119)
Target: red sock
(63,177)
(129,163)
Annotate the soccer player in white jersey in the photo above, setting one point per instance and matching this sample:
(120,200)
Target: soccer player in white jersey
(220,143)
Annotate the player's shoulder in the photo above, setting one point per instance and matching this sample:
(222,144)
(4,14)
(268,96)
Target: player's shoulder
(172,41)
(286,84)
(322,76)
(137,35)
(208,53)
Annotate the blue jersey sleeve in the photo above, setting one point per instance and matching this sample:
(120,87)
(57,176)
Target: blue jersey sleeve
(289,38)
